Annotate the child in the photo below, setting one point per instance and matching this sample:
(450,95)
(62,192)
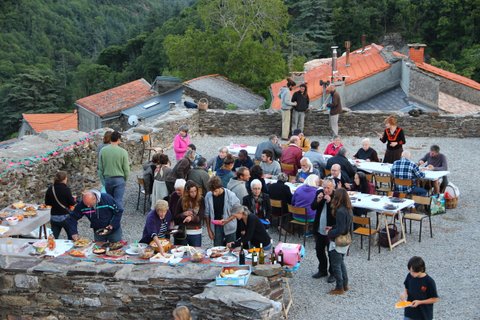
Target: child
(421,290)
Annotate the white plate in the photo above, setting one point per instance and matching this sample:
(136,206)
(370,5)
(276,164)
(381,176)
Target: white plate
(131,252)
(225,259)
(241,273)
(210,251)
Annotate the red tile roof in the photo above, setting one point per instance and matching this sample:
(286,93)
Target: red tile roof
(362,65)
(51,121)
(449,75)
(118,99)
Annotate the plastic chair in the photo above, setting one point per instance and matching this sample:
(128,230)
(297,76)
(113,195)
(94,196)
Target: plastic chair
(365,230)
(416,216)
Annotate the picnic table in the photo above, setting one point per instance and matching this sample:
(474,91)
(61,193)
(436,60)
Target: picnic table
(28,224)
(235,149)
(384,168)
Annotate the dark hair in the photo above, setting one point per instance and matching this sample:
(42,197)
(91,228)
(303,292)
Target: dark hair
(364,185)
(435,148)
(243,152)
(296,132)
(314,144)
(60,176)
(107,137)
(201,162)
(304,85)
(156,158)
(340,198)
(290,83)
(268,153)
(241,171)
(214,183)
(256,172)
(416,264)
(115,136)
(192,146)
(228,160)
(163,159)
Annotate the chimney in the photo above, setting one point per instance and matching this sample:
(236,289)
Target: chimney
(347,47)
(334,59)
(364,42)
(416,52)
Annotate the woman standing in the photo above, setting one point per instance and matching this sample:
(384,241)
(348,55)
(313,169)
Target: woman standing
(190,212)
(159,189)
(302,100)
(394,138)
(181,142)
(60,198)
(342,211)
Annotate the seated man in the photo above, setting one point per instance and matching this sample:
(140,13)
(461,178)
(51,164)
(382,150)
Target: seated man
(436,161)
(269,166)
(316,156)
(238,184)
(243,160)
(292,155)
(333,147)
(306,169)
(272,145)
(338,177)
(304,142)
(348,170)
(366,152)
(217,162)
(406,169)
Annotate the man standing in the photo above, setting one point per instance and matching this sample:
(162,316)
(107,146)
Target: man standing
(316,157)
(292,155)
(238,184)
(218,206)
(272,145)
(323,219)
(199,174)
(335,108)
(435,161)
(114,167)
(408,170)
(269,166)
(103,213)
(287,104)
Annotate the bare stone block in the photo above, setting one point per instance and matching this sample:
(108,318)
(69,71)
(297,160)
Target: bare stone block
(26,282)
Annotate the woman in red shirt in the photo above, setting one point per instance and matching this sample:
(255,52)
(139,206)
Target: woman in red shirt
(394,138)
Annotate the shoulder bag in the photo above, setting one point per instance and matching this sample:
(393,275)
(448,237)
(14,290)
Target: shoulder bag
(59,218)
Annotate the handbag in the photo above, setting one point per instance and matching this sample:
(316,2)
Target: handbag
(343,240)
(392,231)
(62,217)
(437,204)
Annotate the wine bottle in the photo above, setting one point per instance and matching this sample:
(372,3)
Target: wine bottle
(241,255)
(254,257)
(261,255)
(280,258)
(273,259)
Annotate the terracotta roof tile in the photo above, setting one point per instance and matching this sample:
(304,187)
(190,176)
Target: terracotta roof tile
(362,65)
(51,121)
(449,75)
(118,99)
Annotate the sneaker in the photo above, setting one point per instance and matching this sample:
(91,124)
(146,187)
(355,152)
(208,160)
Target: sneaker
(336,292)
(319,275)
(331,279)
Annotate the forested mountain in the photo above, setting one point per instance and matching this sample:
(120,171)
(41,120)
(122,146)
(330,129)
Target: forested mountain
(53,52)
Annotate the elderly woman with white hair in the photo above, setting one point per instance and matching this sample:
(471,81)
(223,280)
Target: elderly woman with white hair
(305,195)
(258,202)
(179,187)
(366,152)
(306,169)
(158,222)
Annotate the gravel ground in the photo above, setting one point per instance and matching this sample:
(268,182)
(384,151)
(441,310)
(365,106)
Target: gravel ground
(375,285)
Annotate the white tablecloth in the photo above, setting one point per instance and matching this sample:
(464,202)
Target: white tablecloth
(235,149)
(384,168)
(364,200)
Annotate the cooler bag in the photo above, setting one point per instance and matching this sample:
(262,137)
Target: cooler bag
(291,252)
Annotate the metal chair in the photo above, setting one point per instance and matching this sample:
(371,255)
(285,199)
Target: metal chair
(420,215)
(302,212)
(287,167)
(278,204)
(147,140)
(365,230)
(383,184)
(141,189)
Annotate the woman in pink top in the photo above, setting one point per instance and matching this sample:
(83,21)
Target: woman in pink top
(333,147)
(181,142)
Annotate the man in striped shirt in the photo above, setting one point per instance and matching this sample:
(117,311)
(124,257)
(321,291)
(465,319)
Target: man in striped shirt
(406,169)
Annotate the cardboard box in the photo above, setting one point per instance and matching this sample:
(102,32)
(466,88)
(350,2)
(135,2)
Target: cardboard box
(234,280)
(291,252)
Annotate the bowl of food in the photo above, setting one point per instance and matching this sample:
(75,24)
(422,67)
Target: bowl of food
(40,246)
(12,221)
(177,252)
(197,256)
(148,252)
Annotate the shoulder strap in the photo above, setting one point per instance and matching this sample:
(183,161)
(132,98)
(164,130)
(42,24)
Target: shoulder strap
(56,199)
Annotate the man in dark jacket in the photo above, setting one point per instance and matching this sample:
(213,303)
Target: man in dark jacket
(102,211)
(348,170)
(199,175)
(335,108)
(323,219)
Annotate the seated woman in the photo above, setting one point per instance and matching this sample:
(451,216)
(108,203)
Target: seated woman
(304,196)
(190,213)
(366,152)
(250,231)
(333,147)
(256,172)
(158,222)
(361,184)
(258,202)
(243,160)
(225,172)
(306,169)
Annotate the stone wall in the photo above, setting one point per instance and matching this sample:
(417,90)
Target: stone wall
(424,87)
(65,288)
(213,103)
(460,91)
(358,123)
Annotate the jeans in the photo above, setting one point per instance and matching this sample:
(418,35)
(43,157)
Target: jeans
(334,124)
(321,245)
(57,228)
(220,238)
(298,120)
(339,269)
(115,187)
(286,118)
(193,240)
(115,236)
(418,191)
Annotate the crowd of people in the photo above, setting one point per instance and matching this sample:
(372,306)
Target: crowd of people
(231,195)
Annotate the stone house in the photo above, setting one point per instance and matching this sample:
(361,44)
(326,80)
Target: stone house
(35,123)
(380,78)
(112,108)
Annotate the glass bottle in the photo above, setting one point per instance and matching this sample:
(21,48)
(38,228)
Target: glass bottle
(254,257)
(261,255)
(241,255)
(273,259)
(280,258)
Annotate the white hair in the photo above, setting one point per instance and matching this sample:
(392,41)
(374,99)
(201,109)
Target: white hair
(180,183)
(310,165)
(255,182)
(366,140)
(312,180)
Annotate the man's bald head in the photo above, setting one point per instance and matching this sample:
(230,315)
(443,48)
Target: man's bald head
(89,198)
(335,170)
(294,140)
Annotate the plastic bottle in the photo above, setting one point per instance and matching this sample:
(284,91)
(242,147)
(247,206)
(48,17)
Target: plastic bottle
(254,257)
(261,255)
(241,255)
(51,242)
(210,172)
